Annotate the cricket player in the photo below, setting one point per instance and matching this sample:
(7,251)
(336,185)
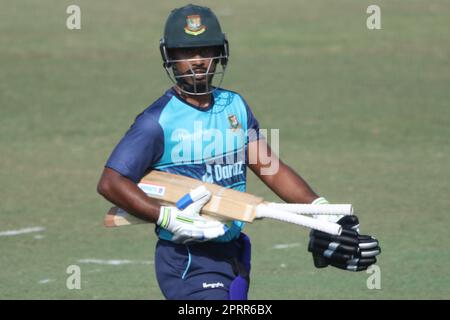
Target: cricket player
(200,130)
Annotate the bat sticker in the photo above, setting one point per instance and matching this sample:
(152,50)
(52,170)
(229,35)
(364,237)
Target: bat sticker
(152,189)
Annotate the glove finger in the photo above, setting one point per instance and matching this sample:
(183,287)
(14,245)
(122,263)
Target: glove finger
(344,266)
(344,239)
(361,262)
(320,261)
(336,256)
(349,233)
(345,232)
(197,205)
(370,253)
(204,223)
(338,247)
(203,200)
(349,222)
(331,254)
(367,242)
(212,233)
(367,262)
(338,265)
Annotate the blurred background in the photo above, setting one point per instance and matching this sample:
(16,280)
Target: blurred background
(363,116)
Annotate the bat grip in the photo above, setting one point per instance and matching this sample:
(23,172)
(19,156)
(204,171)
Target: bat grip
(263,211)
(311,209)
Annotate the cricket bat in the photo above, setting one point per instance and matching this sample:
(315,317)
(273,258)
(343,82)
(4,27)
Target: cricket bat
(226,204)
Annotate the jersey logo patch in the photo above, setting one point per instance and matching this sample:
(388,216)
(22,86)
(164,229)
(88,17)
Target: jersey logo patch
(234,123)
(194,25)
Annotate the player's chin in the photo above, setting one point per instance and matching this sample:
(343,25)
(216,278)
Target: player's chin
(200,79)
(200,82)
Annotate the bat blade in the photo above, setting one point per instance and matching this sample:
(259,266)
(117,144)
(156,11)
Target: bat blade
(224,205)
(117,217)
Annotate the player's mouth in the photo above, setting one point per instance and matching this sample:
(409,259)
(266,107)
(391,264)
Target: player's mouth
(200,74)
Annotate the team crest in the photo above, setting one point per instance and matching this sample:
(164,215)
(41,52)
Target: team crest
(234,123)
(194,25)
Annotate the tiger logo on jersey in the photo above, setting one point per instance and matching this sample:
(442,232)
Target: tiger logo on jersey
(194,25)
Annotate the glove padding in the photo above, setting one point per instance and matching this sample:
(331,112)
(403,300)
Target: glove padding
(187,225)
(348,251)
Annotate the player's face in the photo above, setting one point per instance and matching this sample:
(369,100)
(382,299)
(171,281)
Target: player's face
(196,66)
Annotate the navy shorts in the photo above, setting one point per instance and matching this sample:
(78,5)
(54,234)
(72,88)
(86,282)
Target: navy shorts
(203,271)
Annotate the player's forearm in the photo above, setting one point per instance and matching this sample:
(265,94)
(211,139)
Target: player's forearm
(289,186)
(125,194)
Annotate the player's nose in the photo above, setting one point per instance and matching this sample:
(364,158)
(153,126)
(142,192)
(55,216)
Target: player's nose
(200,61)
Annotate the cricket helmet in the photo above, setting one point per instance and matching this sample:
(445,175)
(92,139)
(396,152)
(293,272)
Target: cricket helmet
(194,26)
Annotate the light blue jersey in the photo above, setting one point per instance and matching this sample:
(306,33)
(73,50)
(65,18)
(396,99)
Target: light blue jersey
(208,144)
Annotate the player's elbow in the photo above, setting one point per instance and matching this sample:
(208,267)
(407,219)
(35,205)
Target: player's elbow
(112,185)
(103,187)
(106,183)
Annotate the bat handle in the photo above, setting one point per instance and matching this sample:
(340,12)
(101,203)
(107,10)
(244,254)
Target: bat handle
(311,209)
(264,211)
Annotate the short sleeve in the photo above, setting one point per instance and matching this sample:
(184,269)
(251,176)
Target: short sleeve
(140,148)
(253,132)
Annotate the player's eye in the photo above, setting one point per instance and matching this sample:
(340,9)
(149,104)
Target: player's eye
(190,53)
(209,52)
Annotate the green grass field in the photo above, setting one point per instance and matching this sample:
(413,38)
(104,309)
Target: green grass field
(364,117)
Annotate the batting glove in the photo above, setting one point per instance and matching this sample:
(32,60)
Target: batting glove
(187,225)
(348,251)
(318,259)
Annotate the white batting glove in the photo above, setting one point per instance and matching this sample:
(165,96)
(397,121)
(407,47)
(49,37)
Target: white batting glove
(187,225)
